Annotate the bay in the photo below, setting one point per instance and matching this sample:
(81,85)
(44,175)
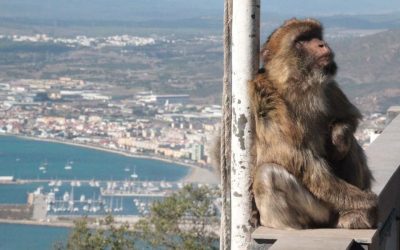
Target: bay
(23,158)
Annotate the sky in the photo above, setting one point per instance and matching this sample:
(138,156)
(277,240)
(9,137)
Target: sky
(145,9)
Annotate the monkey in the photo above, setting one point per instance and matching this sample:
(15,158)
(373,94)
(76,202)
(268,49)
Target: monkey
(309,170)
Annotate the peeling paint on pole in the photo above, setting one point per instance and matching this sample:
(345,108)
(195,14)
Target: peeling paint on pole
(242,125)
(245,50)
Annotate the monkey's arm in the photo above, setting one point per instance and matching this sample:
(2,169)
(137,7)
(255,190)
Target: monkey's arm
(318,178)
(344,121)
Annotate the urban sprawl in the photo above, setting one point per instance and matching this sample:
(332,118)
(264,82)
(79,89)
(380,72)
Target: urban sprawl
(80,112)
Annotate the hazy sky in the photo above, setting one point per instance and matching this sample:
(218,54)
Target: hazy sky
(137,9)
(327,7)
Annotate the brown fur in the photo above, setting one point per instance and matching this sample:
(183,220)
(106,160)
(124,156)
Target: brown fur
(309,169)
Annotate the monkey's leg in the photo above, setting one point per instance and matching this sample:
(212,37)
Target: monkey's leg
(283,202)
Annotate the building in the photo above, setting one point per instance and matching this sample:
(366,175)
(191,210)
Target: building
(197,152)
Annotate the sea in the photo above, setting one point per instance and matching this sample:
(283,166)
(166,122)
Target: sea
(39,160)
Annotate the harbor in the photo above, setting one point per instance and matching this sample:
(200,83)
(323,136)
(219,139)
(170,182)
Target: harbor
(54,199)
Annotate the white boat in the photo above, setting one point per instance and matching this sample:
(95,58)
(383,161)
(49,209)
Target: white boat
(94,209)
(82,198)
(66,196)
(92,183)
(134,175)
(68,166)
(121,208)
(43,165)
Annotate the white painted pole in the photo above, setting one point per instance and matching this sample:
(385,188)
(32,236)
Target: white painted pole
(245,63)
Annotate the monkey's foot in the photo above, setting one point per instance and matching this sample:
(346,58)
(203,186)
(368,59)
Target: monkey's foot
(356,219)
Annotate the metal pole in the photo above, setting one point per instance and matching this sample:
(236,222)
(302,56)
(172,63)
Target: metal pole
(245,63)
(225,240)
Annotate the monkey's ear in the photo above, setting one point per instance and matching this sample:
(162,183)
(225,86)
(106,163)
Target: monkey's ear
(265,53)
(290,21)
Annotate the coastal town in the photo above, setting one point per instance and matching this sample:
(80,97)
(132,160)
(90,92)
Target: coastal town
(81,112)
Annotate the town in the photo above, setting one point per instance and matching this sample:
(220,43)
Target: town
(80,112)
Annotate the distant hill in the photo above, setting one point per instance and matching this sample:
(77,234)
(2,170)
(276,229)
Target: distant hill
(368,66)
(369,59)
(369,69)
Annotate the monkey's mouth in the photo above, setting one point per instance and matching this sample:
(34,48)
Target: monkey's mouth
(325,60)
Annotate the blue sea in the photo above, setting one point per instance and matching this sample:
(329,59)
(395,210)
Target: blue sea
(22,158)
(30,159)
(23,237)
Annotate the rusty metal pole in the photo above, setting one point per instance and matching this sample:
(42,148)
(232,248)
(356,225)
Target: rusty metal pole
(245,63)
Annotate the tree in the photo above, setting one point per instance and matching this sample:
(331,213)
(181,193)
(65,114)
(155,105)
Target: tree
(185,220)
(106,236)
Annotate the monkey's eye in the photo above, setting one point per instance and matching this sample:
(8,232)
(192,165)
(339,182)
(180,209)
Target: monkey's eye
(306,37)
(262,114)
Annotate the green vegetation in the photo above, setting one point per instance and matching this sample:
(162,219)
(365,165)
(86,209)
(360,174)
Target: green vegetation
(184,220)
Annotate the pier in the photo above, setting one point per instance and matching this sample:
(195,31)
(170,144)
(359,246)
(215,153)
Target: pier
(28,181)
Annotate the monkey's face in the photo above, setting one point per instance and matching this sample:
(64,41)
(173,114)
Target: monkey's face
(316,55)
(296,50)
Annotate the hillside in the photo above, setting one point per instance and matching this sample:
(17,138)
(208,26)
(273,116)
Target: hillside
(369,69)
(369,59)
(186,55)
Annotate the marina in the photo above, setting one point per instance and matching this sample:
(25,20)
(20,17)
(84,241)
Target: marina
(78,197)
(72,198)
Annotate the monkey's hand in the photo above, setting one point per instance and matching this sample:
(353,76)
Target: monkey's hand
(342,139)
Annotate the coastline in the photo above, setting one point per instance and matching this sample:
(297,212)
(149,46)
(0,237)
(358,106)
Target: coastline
(196,174)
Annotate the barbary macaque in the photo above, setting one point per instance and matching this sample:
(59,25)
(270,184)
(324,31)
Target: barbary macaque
(309,171)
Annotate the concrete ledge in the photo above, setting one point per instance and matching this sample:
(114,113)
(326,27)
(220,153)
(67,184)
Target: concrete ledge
(384,161)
